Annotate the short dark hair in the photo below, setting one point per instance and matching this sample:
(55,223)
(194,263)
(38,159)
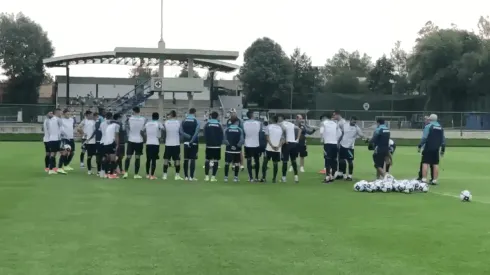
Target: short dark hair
(192,111)
(117,116)
(96,114)
(250,114)
(155,116)
(65,110)
(108,115)
(88,112)
(274,119)
(172,113)
(327,116)
(337,112)
(353,118)
(57,109)
(266,123)
(136,109)
(280,116)
(380,120)
(214,115)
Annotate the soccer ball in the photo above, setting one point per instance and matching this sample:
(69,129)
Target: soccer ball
(67,147)
(409,188)
(369,187)
(465,196)
(360,186)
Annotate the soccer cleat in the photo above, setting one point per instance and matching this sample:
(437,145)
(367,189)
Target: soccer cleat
(302,169)
(125,175)
(89,172)
(137,177)
(213,179)
(164,177)
(290,168)
(206,178)
(153,178)
(148,176)
(68,168)
(178,177)
(296,179)
(82,165)
(262,180)
(102,174)
(46,170)
(112,176)
(250,180)
(236,179)
(226,179)
(61,171)
(186,178)
(52,172)
(348,178)
(283,179)
(433,182)
(242,167)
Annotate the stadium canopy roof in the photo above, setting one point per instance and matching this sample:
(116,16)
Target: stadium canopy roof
(150,57)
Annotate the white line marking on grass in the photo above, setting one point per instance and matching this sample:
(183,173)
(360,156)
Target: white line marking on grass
(456,196)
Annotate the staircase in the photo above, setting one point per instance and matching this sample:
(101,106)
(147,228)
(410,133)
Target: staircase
(131,99)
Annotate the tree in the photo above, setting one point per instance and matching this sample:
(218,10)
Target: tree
(381,77)
(143,72)
(484,27)
(185,73)
(346,82)
(305,78)
(48,78)
(266,74)
(344,61)
(23,46)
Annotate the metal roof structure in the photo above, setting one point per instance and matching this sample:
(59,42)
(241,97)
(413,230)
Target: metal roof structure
(150,57)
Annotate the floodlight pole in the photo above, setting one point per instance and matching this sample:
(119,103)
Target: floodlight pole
(161,47)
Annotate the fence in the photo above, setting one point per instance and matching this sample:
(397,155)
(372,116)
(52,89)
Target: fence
(396,119)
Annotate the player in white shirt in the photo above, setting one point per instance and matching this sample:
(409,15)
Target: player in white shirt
(330,137)
(289,149)
(337,117)
(153,132)
(275,140)
(346,150)
(101,150)
(68,138)
(83,150)
(46,141)
(54,128)
(252,129)
(87,129)
(111,144)
(172,144)
(136,123)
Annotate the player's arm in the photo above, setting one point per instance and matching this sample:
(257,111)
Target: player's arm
(196,132)
(80,127)
(339,133)
(225,138)
(309,130)
(116,129)
(221,134)
(425,134)
(182,133)
(443,144)
(62,129)
(242,138)
(205,131)
(297,132)
(360,133)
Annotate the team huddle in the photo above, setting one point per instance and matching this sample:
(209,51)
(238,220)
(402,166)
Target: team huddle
(111,140)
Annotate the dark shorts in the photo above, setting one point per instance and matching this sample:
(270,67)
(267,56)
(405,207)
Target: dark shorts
(379,159)
(232,157)
(46,147)
(330,151)
(252,152)
(430,157)
(110,149)
(152,151)
(91,149)
(346,153)
(261,150)
(190,152)
(135,148)
(172,152)
(302,150)
(54,146)
(83,147)
(289,151)
(70,142)
(274,156)
(213,153)
(121,150)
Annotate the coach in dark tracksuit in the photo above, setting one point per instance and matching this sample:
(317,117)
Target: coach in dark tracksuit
(433,144)
(234,140)
(302,149)
(426,121)
(380,143)
(189,130)
(213,134)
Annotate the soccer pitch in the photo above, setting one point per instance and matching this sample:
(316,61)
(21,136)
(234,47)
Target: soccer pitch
(80,224)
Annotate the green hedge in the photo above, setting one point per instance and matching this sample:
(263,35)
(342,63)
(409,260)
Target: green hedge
(311,141)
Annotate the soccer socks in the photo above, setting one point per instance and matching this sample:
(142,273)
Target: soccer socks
(52,162)
(227,169)
(98,162)
(69,158)
(276,170)
(206,167)
(387,168)
(351,167)
(249,168)
(61,161)
(137,163)
(82,157)
(295,167)
(215,168)
(153,166)
(237,170)
(165,168)
(192,167)
(257,166)
(89,163)
(186,168)
(342,166)
(432,172)
(284,168)
(119,164)
(46,161)
(264,168)
(126,163)
(148,163)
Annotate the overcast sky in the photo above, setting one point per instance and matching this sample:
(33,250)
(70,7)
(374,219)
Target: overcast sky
(318,27)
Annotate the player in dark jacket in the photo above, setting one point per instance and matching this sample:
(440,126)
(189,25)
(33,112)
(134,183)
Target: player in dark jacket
(213,134)
(234,140)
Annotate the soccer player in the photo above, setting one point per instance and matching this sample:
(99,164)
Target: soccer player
(275,140)
(111,144)
(153,131)
(68,123)
(302,148)
(172,144)
(289,149)
(346,149)
(380,143)
(83,149)
(87,129)
(46,141)
(426,121)
(136,123)
(330,139)
(389,159)
(54,127)
(252,129)
(234,119)
(102,151)
(213,134)
(234,140)
(433,144)
(189,130)
(341,122)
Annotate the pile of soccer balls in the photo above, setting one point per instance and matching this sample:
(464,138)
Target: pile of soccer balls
(390,184)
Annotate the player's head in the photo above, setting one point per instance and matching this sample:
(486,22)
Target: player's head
(117,116)
(192,111)
(433,118)
(336,114)
(299,117)
(88,114)
(96,116)
(136,110)
(214,115)
(353,120)
(426,119)
(233,113)
(57,112)
(172,114)
(155,116)
(380,121)
(266,123)
(250,114)
(280,118)
(273,119)
(108,115)
(50,114)
(327,116)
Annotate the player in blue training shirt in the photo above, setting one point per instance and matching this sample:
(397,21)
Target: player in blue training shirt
(234,140)
(189,131)
(380,143)
(213,134)
(433,144)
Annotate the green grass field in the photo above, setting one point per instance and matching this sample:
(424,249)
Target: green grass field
(80,224)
